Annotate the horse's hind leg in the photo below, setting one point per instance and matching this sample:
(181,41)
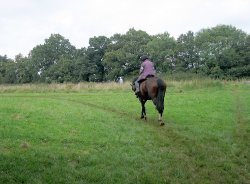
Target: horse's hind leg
(160,120)
(160,113)
(143,111)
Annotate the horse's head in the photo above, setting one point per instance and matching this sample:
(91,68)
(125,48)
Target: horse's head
(133,84)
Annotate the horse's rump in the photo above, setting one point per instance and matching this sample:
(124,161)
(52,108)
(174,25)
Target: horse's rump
(153,85)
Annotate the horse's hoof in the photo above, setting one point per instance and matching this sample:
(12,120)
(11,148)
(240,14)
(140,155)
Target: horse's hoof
(162,124)
(145,118)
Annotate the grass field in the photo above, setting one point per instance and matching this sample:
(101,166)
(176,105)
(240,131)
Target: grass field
(91,133)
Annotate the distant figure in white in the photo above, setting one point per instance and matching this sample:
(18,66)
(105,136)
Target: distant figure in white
(120,80)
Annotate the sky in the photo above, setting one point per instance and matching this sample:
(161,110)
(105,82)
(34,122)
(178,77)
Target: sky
(25,24)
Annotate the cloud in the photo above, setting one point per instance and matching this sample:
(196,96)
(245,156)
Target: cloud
(26,23)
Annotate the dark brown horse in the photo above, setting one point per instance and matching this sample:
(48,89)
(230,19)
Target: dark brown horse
(154,89)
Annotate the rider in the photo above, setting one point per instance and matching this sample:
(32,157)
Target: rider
(147,69)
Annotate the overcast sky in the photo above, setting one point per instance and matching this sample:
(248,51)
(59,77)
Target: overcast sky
(25,24)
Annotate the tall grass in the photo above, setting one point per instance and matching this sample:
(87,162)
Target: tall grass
(83,86)
(65,87)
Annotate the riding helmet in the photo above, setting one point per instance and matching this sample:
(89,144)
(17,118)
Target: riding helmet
(143,58)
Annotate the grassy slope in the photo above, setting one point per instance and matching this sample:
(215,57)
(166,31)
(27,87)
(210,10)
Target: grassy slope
(91,136)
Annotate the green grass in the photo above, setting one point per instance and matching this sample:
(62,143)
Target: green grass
(91,133)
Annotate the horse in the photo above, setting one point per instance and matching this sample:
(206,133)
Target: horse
(152,88)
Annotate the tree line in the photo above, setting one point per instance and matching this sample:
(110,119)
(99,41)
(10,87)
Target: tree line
(221,52)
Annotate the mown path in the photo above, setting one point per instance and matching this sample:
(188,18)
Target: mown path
(241,144)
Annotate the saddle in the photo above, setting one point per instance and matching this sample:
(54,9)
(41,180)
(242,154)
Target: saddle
(148,76)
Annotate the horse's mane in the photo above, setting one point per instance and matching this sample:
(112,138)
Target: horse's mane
(133,81)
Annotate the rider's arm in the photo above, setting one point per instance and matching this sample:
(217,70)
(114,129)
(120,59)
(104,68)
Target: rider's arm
(141,69)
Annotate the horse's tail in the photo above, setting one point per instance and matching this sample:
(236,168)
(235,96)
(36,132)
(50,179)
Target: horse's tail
(160,96)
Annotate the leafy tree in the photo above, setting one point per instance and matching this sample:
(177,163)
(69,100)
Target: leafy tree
(215,47)
(187,53)
(161,50)
(50,53)
(10,73)
(95,52)
(216,72)
(123,53)
(84,69)
(3,59)
(24,70)
(60,72)
(219,52)
(116,63)
(3,64)
(242,64)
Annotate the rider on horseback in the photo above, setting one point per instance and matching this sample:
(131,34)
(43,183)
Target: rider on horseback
(147,69)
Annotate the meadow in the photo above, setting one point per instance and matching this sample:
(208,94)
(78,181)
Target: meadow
(92,133)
